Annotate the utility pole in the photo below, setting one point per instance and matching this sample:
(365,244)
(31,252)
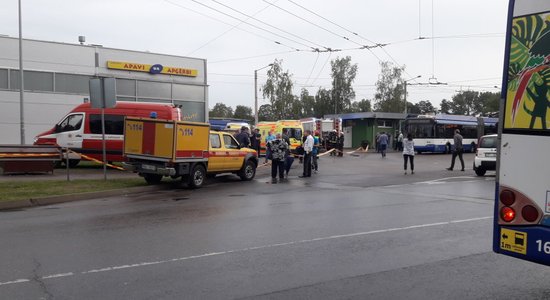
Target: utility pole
(256,93)
(21,81)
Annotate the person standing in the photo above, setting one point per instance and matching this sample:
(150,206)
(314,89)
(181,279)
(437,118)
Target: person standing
(341,144)
(255,139)
(308,148)
(383,143)
(278,148)
(243,138)
(270,137)
(458,150)
(315,152)
(400,141)
(408,152)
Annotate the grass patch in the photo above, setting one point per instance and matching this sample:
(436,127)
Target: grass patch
(10,191)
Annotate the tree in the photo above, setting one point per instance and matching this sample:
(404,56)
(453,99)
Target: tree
(308,104)
(278,89)
(343,75)
(361,106)
(265,113)
(322,103)
(389,89)
(422,107)
(243,112)
(445,106)
(490,103)
(221,110)
(464,103)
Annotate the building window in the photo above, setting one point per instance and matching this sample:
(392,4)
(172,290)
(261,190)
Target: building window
(149,89)
(119,98)
(188,92)
(191,111)
(384,124)
(126,87)
(71,83)
(34,81)
(3,79)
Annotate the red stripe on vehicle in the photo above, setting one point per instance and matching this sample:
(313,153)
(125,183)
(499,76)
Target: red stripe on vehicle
(192,153)
(148,146)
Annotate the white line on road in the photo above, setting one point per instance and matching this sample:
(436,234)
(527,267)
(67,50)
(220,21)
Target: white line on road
(332,237)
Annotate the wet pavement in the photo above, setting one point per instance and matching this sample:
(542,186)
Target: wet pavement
(358,229)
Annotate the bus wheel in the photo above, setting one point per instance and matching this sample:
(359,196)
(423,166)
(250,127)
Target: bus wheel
(152,178)
(197,176)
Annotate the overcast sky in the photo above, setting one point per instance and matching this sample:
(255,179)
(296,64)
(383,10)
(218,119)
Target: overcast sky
(466,52)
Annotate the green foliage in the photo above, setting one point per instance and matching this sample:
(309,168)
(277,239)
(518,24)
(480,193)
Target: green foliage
(471,103)
(422,107)
(343,75)
(364,105)
(221,110)
(308,104)
(278,90)
(445,107)
(243,112)
(390,89)
(265,113)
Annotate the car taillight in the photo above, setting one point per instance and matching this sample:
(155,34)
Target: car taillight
(507,214)
(507,197)
(529,213)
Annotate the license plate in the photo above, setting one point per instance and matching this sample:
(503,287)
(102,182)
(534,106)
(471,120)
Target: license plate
(490,154)
(148,167)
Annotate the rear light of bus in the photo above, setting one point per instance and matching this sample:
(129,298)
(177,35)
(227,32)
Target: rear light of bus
(507,197)
(507,214)
(512,201)
(529,213)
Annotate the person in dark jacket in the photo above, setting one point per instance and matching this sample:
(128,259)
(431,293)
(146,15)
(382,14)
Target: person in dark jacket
(457,151)
(255,139)
(243,138)
(278,148)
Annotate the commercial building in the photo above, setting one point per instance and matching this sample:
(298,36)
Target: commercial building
(56,79)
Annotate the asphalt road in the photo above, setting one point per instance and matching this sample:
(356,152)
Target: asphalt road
(359,229)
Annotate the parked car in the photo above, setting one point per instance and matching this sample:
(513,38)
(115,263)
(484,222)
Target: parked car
(486,154)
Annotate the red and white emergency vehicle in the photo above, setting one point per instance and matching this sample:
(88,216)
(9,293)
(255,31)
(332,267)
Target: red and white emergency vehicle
(80,129)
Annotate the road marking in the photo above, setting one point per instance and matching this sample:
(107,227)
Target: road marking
(332,237)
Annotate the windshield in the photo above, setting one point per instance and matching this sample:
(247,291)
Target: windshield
(421,130)
(293,133)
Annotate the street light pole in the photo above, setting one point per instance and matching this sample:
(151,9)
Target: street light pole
(405,88)
(21,81)
(256,93)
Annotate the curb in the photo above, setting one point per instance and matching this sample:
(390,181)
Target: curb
(77,197)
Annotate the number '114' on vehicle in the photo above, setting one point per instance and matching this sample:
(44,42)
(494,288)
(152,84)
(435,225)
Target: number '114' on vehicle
(522,194)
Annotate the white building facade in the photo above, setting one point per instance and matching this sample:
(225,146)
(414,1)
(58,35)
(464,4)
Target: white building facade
(56,79)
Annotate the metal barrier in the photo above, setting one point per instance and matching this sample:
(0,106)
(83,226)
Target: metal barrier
(16,159)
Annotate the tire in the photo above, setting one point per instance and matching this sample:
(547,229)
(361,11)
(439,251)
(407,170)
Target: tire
(248,171)
(73,162)
(197,177)
(152,178)
(480,171)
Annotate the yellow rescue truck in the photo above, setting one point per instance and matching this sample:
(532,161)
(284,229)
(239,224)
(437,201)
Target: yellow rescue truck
(188,150)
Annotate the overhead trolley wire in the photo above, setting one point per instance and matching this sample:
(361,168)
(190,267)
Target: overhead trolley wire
(229,24)
(267,24)
(252,25)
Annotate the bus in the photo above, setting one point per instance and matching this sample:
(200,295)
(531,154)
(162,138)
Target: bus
(434,133)
(522,192)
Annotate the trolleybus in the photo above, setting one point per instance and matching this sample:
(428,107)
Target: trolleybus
(435,133)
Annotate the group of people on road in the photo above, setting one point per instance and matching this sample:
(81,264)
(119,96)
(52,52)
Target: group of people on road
(279,152)
(407,148)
